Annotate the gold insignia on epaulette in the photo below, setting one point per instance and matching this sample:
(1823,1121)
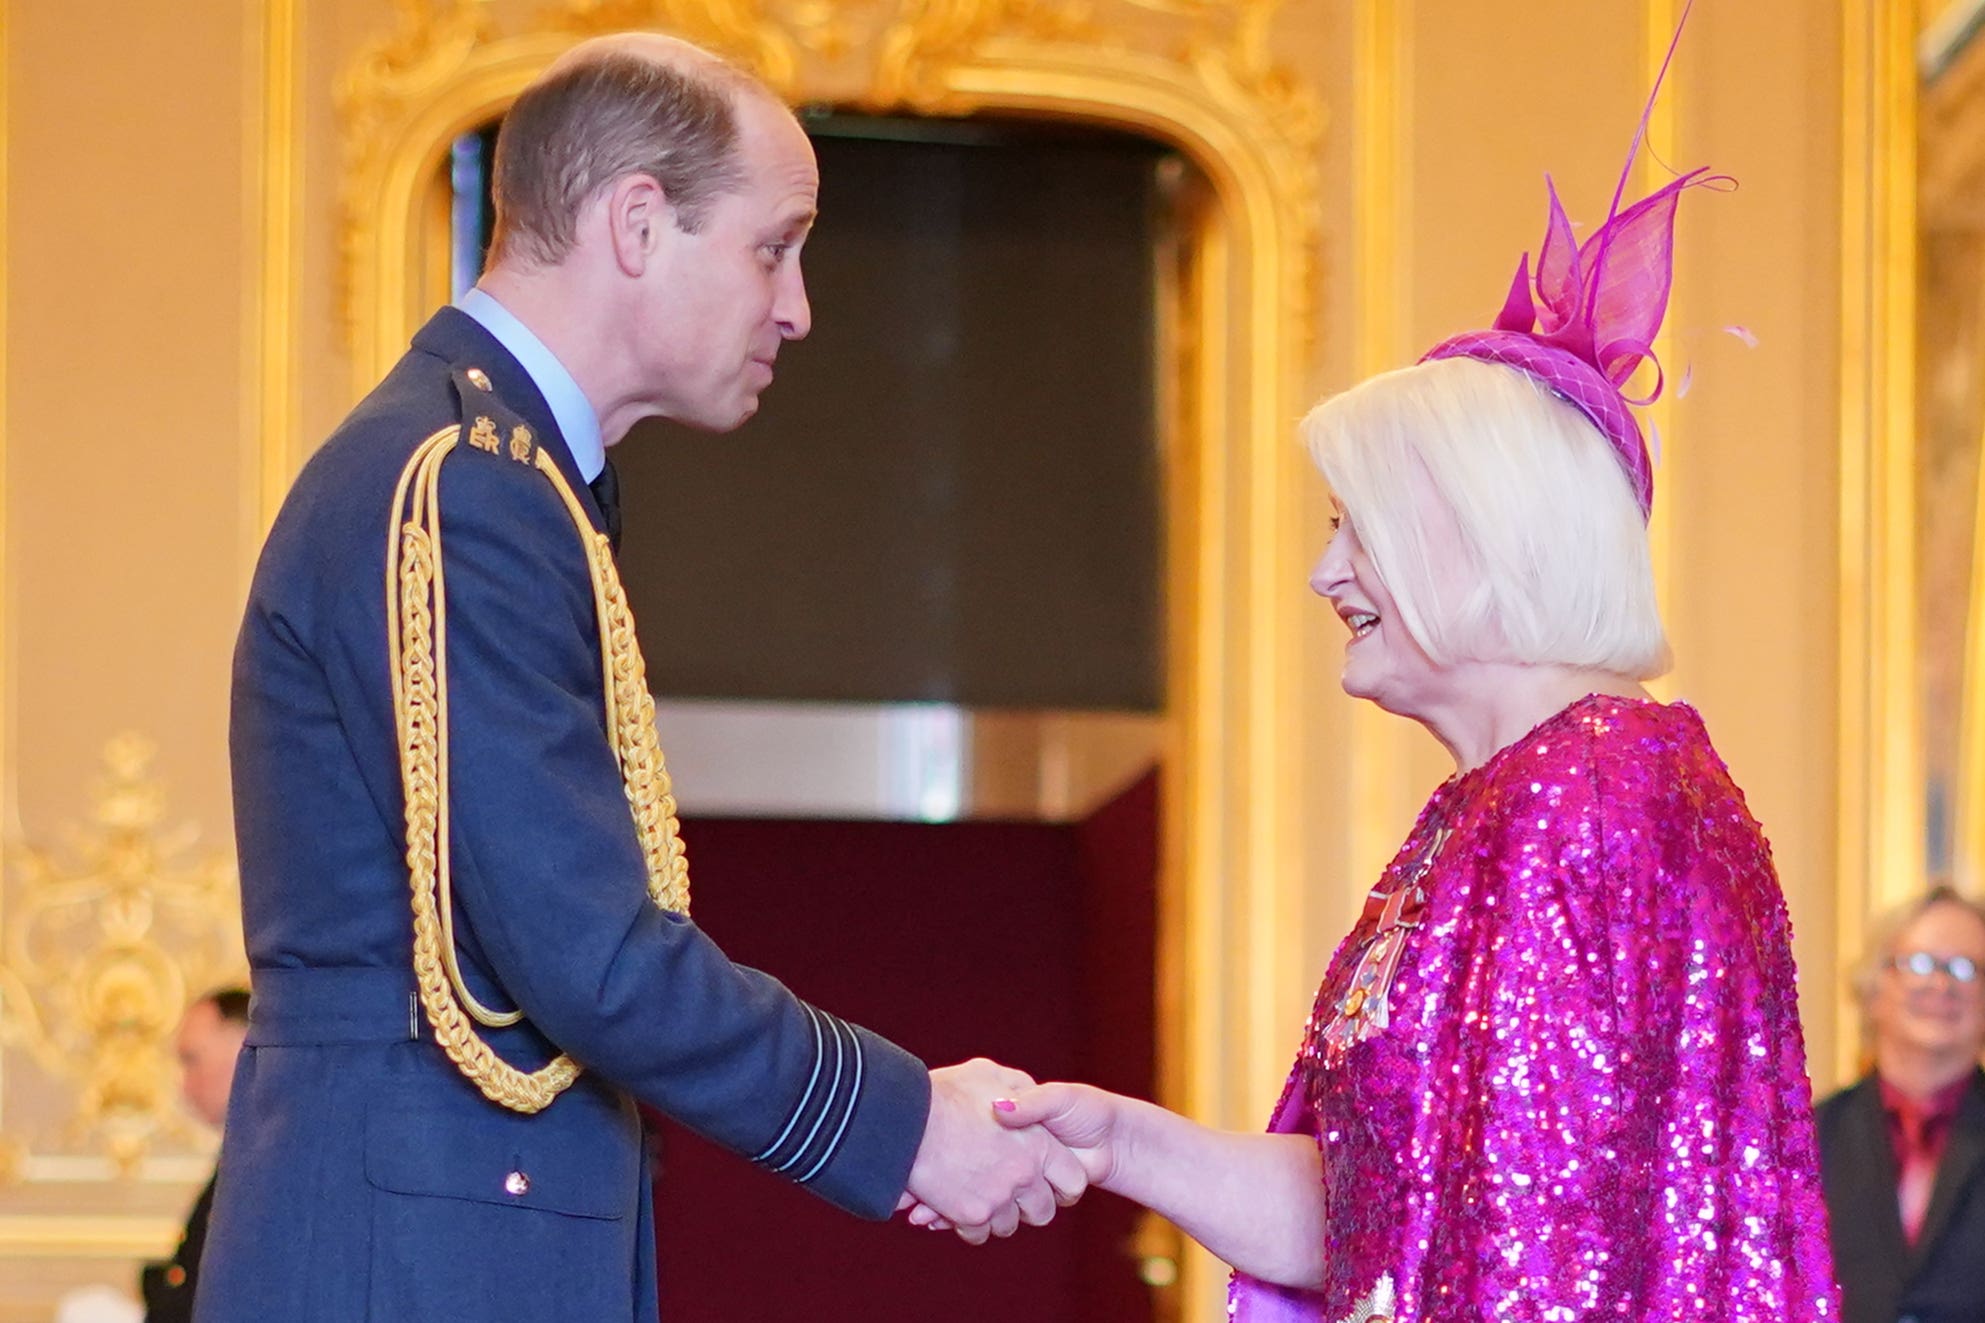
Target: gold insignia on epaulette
(520,444)
(483,435)
(477,378)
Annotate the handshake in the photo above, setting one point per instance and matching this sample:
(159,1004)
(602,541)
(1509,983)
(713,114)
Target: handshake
(999,1150)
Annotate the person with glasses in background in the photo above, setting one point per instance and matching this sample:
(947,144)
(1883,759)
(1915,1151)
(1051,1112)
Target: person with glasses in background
(1903,1150)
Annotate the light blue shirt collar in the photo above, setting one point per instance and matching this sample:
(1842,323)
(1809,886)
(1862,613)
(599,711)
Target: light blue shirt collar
(570,408)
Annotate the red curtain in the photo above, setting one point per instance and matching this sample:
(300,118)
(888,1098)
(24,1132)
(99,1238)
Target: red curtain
(1030,943)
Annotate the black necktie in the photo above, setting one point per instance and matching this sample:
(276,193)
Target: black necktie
(606,491)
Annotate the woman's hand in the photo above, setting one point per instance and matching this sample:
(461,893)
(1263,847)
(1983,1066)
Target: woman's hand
(1083,1119)
(979,1177)
(1255,1200)
(1087,1120)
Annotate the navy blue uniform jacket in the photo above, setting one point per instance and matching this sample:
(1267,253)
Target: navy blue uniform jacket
(362,1177)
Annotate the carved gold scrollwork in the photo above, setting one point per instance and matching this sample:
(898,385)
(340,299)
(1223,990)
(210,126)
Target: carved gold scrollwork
(428,45)
(931,36)
(833,29)
(771,37)
(743,30)
(1199,73)
(103,948)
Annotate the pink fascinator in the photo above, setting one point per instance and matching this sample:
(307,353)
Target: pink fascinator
(1588,321)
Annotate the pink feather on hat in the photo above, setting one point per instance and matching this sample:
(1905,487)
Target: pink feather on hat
(1588,321)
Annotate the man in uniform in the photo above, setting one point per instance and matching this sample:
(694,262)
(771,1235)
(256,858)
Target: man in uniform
(438,700)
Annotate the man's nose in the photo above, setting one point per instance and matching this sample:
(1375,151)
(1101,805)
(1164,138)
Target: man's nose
(791,310)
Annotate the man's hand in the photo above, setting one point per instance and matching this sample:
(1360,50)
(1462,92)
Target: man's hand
(976,1174)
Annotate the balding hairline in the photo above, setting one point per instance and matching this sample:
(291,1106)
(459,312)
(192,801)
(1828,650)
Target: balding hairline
(611,107)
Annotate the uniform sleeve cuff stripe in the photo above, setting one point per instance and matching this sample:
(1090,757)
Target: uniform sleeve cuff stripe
(806,1098)
(847,1115)
(826,1103)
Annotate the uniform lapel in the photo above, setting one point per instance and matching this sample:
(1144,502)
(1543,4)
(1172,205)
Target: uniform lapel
(1964,1151)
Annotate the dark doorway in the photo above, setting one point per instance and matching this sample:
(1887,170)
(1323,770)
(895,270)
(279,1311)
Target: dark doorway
(1027,942)
(952,494)
(952,491)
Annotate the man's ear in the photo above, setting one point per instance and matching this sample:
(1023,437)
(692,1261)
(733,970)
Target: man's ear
(637,213)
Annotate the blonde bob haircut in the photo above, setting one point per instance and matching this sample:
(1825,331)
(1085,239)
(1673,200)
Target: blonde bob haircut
(1533,549)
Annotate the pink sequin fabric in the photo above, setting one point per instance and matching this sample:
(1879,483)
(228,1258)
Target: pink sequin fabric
(1578,1090)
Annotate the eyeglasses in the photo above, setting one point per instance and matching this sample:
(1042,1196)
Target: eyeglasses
(1922,964)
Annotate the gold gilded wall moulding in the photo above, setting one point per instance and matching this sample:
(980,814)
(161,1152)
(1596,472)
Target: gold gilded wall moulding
(1199,74)
(105,941)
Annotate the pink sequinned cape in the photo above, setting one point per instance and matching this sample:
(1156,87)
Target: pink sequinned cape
(1556,1070)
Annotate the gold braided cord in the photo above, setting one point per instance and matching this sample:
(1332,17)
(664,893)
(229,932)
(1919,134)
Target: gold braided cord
(417,654)
(420,717)
(631,713)
(426,515)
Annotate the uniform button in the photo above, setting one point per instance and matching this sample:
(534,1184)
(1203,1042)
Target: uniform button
(517,1183)
(477,378)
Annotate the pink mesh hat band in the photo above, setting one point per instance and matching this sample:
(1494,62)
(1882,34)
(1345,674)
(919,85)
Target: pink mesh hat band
(1575,381)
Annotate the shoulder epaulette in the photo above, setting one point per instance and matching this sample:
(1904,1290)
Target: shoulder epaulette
(488,424)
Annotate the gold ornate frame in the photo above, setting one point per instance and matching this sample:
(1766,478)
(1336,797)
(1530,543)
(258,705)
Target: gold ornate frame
(1201,81)
(1880,765)
(1247,124)
(1949,131)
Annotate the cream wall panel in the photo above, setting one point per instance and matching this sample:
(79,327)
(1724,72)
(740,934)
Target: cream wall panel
(331,34)
(125,398)
(1471,142)
(1495,105)
(1754,606)
(127,415)
(1322,39)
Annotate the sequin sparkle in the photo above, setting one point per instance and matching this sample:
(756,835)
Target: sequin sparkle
(1588,1097)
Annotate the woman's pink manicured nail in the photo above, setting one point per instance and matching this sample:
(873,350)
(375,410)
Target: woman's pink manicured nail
(1005,1104)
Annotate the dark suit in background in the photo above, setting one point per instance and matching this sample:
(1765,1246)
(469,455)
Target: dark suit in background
(1884,1279)
(168,1286)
